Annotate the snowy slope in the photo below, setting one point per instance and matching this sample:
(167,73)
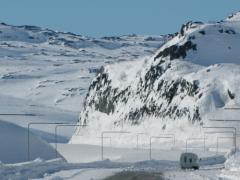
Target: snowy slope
(232,167)
(190,77)
(13,140)
(55,68)
(47,73)
(22,112)
(234,17)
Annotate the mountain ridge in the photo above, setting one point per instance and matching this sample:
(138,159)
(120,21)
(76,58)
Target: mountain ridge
(179,85)
(56,68)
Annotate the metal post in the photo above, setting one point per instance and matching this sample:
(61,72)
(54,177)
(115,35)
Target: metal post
(204,142)
(102,146)
(138,134)
(56,152)
(150,149)
(137,141)
(186,145)
(28,142)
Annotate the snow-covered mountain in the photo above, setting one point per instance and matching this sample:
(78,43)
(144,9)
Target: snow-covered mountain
(56,68)
(193,75)
(45,74)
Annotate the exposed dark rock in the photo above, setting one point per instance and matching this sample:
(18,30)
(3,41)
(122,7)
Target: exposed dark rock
(166,93)
(202,32)
(176,52)
(93,70)
(189,25)
(105,98)
(191,38)
(230,31)
(220,30)
(230,94)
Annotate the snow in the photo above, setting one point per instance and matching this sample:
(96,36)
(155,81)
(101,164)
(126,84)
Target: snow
(84,153)
(14,145)
(165,161)
(45,75)
(214,67)
(126,72)
(57,169)
(222,47)
(233,161)
(21,112)
(234,17)
(232,166)
(55,68)
(215,89)
(86,174)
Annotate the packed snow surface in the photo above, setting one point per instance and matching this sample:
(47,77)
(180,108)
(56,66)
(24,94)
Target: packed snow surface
(165,162)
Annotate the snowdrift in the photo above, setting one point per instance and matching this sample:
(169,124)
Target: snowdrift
(233,162)
(13,140)
(232,166)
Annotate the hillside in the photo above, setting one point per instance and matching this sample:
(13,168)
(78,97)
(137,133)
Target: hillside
(55,68)
(14,145)
(193,75)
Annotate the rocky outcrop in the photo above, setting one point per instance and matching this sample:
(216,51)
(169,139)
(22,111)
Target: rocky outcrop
(176,83)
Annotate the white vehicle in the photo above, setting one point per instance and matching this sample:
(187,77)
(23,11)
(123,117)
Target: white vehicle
(189,161)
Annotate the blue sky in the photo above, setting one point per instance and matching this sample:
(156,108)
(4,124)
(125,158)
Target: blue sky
(114,17)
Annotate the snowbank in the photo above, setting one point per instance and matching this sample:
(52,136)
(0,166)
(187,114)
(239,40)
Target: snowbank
(14,149)
(232,166)
(233,162)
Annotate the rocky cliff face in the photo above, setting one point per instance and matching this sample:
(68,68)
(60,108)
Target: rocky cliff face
(192,75)
(155,93)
